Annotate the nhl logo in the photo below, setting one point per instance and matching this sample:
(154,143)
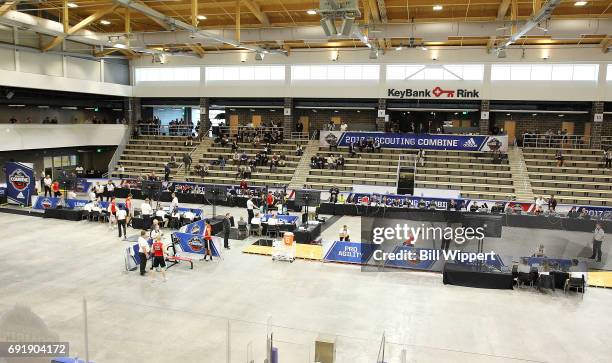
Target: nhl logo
(19,179)
(331,139)
(494,144)
(196,244)
(195,229)
(46,203)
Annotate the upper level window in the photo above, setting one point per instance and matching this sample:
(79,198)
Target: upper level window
(335,72)
(467,72)
(245,73)
(609,72)
(167,74)
(544,72)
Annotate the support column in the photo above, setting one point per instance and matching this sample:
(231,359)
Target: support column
(131,110)
(484,124)
(288,119)
(380,121)
(205,123)
(597,118)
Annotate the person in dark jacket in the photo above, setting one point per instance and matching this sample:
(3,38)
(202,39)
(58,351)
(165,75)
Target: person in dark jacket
(226,230)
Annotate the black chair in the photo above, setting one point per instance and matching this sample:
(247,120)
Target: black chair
(525,278)
(273,230)
(577,283)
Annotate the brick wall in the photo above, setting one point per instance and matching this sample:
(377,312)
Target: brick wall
(606,127)
(245,115)
(542,122)
(365,120)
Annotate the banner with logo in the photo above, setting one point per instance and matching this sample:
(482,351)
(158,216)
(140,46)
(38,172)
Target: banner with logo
(418,141)
(82,185)
(52,202)
(191,243)
(20,182)
(349,252)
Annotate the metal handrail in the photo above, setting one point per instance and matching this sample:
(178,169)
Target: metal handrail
(145,129)
(556,141)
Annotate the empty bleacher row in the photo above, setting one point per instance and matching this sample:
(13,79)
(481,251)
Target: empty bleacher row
(581,180)
(149,154)
(261,176)
(475,174)
(376,168)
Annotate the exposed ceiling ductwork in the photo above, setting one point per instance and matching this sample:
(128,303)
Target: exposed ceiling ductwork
(542,15)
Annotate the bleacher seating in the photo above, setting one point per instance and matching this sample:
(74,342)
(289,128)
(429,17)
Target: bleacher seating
(378,168)
(146,154)
(262,176)
(475,174)
(581,180)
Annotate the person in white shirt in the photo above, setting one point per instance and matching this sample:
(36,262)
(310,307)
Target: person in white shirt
(161,216)
(110,190)
(175,218)
(156,231)
(71,194)
(99,191)
(343,126)
(539,205)
(48,181)
(146,211)
(272,221)
(92,195)
(121,222)
(344,233)
(174,204)
(598,237)
(251,207)
(189,215)
(143,251)
(256,220)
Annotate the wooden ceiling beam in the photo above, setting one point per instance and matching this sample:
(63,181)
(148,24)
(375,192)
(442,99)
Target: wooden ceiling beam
(82,24)
(197,49)
(194,13)
(238,21)
(373,4)
(491,43)
(514,15)
(8,6)
(256,10)
(536,6)
(503,9)
(105,52)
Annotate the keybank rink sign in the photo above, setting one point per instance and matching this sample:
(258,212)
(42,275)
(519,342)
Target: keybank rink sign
(433,92)
(418,141)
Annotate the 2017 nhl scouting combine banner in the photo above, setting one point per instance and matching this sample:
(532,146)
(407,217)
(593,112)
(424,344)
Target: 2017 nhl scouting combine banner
(418,141)
(20,182)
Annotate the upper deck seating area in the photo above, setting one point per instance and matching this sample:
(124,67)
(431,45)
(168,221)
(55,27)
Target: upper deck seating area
(581,179)
(478,175)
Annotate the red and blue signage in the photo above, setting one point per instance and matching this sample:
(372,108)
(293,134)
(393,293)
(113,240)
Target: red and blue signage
(20,183)
(191,243)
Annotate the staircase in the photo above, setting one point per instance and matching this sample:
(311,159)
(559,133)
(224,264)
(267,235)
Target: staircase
(200,150)
(520,176)
(303,168)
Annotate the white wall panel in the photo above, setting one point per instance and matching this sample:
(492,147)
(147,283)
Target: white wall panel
(7,59)
(116,73)
(83,69)
(25,137)
(40,63)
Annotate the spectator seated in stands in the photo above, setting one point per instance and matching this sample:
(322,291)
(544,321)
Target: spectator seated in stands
(608,158)
(267,149)
(331,161)
(352,149)
(256,141)
(241,171)
(299,150)
(343,126)
(333,144)
(560,158)
(331,126)
(421,204)
(572,213)
(224,141)
(248,172)
(234,146)
(517,209)
(152,177)
(377,146)
(452,205)
(313,162)
(474,207)
(584,214)
(244,158)
(340,162)
(236,158)
(189,141)
(282,163)
(539,205)
(370,144)
(552,204)
(252,164)
(362,144)
(274,161)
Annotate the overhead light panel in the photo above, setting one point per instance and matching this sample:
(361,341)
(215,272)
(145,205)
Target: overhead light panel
(329,27)
(347,26)
(311,12)
(104,22)
(437,7)
(399,47)
(72,5)
(120,46)
(43,106)
(580,3)
(16,105)
(202,17)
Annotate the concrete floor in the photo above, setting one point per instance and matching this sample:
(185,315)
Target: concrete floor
(49,266)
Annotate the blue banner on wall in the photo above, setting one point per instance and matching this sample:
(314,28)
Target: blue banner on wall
(349,252)
(418,141)
(191,243)
(20,182)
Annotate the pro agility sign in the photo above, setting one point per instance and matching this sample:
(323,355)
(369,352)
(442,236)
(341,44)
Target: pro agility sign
(20,182)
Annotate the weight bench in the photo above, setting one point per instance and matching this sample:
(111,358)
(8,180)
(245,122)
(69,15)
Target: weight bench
(175,260)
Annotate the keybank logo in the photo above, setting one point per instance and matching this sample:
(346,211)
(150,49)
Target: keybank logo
(437,92)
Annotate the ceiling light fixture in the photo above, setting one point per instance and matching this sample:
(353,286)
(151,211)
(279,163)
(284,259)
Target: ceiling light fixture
(202,17)
(311,12)
(104,22)
(399,47)
(72,5)
(437,7)
(580,3)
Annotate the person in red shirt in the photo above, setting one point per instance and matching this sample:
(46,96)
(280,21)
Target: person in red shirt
(270,200)
(208,240)
(112,213)
(56,189)
(243,185)
(159,261)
